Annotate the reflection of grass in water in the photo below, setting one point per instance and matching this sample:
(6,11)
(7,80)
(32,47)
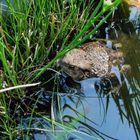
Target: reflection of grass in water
(31,36)
(130,92)
(129,101)
(133,103)
(74,126)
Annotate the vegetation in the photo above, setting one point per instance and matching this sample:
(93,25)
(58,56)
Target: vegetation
(30,34)
(34,35)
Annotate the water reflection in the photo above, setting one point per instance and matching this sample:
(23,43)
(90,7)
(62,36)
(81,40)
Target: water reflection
(114,113)
(109,123)
(91,113)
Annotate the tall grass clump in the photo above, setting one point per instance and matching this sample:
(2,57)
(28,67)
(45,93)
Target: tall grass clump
(34,34)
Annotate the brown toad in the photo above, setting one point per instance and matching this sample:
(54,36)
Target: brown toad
(92,59)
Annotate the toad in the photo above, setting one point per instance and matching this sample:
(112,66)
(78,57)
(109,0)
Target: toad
(93,59)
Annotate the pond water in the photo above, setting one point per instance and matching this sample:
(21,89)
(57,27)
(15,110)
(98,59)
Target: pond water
(88,107)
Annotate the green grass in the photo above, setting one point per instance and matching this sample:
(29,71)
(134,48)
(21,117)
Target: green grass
(33,32)
(34,35)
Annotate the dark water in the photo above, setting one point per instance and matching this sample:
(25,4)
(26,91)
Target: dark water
(90,108)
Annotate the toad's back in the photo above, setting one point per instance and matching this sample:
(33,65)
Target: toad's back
(91,59)
(98,56)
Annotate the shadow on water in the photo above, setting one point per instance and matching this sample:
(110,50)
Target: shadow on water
(88,109)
